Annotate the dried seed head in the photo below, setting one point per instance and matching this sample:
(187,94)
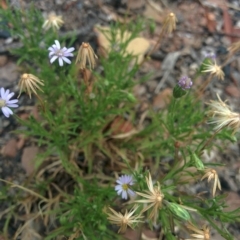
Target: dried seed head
(30,84)
(223,116)
(86,54)
(128,219)
(203,234)
(214,70)
(153,198)
(212,174)
(169,23)
(53,21)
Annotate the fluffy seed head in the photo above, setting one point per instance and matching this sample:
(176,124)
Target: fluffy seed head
(214,70)
(128,219)
(30,84)
(153,198)
(197,234)
(53,21)
(212,174)
(222,115)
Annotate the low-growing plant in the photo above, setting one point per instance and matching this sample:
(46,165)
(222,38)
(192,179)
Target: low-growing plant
(90,131)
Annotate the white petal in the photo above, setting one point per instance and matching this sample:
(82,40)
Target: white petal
(119,181)
(53,59)
(66,60)
(6,111)
(119,192)
(51,49)
(70,49)
(131,193)
(2,92)
(60,61)
(124,195)
(12,101)
(50,54)
(13,105)
(57,44)
(9,96)
(118,187)
(6,94)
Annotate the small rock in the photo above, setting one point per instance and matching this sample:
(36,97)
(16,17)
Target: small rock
(232,201)
(139,90)
(10,149)
(133,4)
(3,60)
(8,74)
(28,164)
(162,99)
(21,142)
(233,91)
(152,84)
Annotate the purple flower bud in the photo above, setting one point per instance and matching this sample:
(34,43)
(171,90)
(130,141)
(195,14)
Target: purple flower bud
(185,82)
(210,55)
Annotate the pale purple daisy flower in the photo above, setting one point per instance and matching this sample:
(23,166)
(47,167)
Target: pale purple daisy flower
(123,186)
(185,82)
(55,51)
(5,103)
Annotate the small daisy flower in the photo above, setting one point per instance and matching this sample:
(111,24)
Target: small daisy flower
(5,102)
(62,54)
(53,21)
(123,186)
(185,82)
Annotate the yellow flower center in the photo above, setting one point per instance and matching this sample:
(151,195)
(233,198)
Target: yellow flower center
(125,187)
(2,103)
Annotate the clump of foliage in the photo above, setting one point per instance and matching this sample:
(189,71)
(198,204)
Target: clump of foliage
(83,110)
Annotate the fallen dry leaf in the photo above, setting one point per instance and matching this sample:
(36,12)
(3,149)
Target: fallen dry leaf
(133,4)
(233,91)
(28,164)
(211,21)
(227,22)
(232,201)
(120,125)
(162,99)
(3,4)
(136,47)
(3,60)
(10,149)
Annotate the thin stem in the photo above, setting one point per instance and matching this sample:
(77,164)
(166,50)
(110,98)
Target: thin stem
(41,102)
(201,90)
(154,48)
(86,80)
(209,140)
